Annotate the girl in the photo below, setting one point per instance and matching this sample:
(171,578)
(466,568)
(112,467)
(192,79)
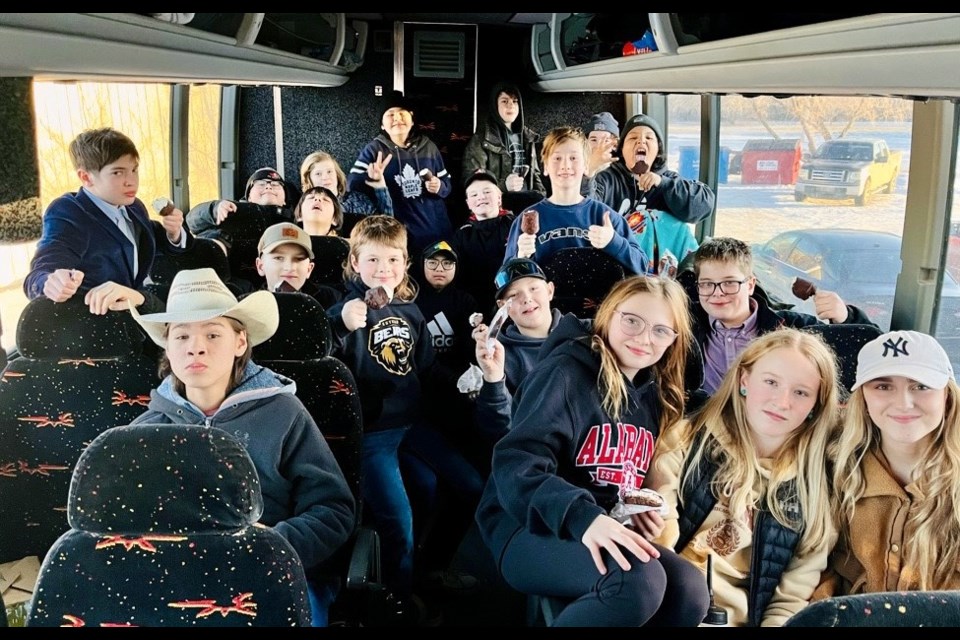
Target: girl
(745,479)
(210,379)
(568,219)
(320,169)
(895,476)
(388,349)
(319,212)
(582,432)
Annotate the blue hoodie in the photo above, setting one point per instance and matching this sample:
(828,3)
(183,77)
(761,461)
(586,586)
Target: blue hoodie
(566,226)
(305,496)
(563,460)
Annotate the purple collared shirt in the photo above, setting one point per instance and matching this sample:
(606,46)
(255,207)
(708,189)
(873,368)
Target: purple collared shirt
(723,347)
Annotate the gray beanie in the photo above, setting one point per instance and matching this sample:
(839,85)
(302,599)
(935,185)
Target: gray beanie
(603,121)
(643,120)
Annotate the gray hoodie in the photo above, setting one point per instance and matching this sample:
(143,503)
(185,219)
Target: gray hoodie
(305,496)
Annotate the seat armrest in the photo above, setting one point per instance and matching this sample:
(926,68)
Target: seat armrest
(364,568)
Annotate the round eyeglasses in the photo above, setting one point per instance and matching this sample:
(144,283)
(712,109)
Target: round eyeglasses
(706,288)
(633,325)
(444,265)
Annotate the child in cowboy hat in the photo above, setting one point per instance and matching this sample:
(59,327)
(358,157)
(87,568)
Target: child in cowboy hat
(209,379)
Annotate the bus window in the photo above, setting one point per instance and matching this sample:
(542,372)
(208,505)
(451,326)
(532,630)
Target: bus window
(948,320)
(849,213)
(204,142)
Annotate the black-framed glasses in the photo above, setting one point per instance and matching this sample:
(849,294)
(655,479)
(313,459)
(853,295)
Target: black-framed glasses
(706,288)
(444,265)
(516,269)
(633,325)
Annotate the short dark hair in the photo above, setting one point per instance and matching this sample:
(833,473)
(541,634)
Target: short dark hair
(94,149)
(724,249)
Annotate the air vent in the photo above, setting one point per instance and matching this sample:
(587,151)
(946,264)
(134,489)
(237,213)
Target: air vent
(438,54)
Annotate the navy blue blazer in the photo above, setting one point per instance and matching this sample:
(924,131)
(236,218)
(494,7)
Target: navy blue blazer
(77,234)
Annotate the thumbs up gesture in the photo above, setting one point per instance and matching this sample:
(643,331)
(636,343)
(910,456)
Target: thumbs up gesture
(600,236)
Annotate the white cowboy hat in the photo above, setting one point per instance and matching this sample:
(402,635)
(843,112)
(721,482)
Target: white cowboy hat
(199,294)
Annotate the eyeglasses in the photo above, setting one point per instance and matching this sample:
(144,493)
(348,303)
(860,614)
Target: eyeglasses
(267,184)
(633,325)
(516,270)
(444,265)
(706,288)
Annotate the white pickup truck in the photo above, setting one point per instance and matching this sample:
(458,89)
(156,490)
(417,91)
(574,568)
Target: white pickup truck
(845,168)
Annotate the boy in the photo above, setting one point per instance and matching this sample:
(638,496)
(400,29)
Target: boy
(285,260)
(100,239)
(532,320)
(733,309)
(483,239)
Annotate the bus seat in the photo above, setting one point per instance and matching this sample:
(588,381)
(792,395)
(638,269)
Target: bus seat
(78,374)
(199,253)
(581,277)
(330,253)
(300,349)
(242,230)
(163,532)
(882,609)
(846,340)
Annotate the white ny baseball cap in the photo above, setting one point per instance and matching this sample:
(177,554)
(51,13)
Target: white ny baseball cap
(910,354)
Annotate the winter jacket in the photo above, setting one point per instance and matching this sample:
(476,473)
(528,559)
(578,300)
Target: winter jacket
(480,246)
(489,148)
(564,460)
(305,496)
(686,200)
(202,219)
(423,213)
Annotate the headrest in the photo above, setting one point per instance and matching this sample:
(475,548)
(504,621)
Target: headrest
(51,330)
(164,479)
(304,332)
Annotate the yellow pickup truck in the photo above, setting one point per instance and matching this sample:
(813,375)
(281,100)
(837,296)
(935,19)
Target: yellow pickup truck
(847,168)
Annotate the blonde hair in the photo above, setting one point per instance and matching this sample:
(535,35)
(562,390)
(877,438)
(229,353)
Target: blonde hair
(385,230)
(669,370)
(933,549)
(315,158)
(558,136)
(719,432)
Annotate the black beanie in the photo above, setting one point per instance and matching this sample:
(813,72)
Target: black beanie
(643,120)
(267,173)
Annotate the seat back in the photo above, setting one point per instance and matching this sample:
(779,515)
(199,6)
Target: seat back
(882,609)
(163,533)
(244,228)
(199,253)
(846,340)
(300,350)
(581,277)
(330,254)
(78,374)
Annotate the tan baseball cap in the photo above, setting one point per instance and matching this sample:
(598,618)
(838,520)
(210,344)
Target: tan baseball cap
(284,233)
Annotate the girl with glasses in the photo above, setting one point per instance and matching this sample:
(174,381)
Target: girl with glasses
(745,479)
(583,427)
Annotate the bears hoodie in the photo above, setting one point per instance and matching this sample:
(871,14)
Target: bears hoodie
(564,460)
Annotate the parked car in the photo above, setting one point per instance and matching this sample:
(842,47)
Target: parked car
(861,266)
(849,168)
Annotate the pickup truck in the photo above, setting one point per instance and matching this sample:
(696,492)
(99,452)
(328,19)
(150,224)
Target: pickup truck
(845,168)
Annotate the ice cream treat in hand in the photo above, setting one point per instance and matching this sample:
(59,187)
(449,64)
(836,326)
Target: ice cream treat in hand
(643,497)
(530,222)
(640,168)
(163,206)
(285,287)
(378,297)
(426,175)
(634,501)
(475,319)
(803,289)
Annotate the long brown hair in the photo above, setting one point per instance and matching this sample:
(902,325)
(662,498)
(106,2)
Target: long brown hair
(239,363)
(669,370)
(320,156)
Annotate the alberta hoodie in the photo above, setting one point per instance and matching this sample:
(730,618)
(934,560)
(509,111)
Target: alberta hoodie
(305,496)
(423,213)
(563,461)
(390,358)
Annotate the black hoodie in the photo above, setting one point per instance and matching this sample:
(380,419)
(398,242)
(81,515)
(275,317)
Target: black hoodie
(563,461)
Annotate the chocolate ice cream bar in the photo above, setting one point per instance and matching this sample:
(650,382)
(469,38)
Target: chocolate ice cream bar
(803,289)
(378,297)
(640,168)
(530,222)
(163,206)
